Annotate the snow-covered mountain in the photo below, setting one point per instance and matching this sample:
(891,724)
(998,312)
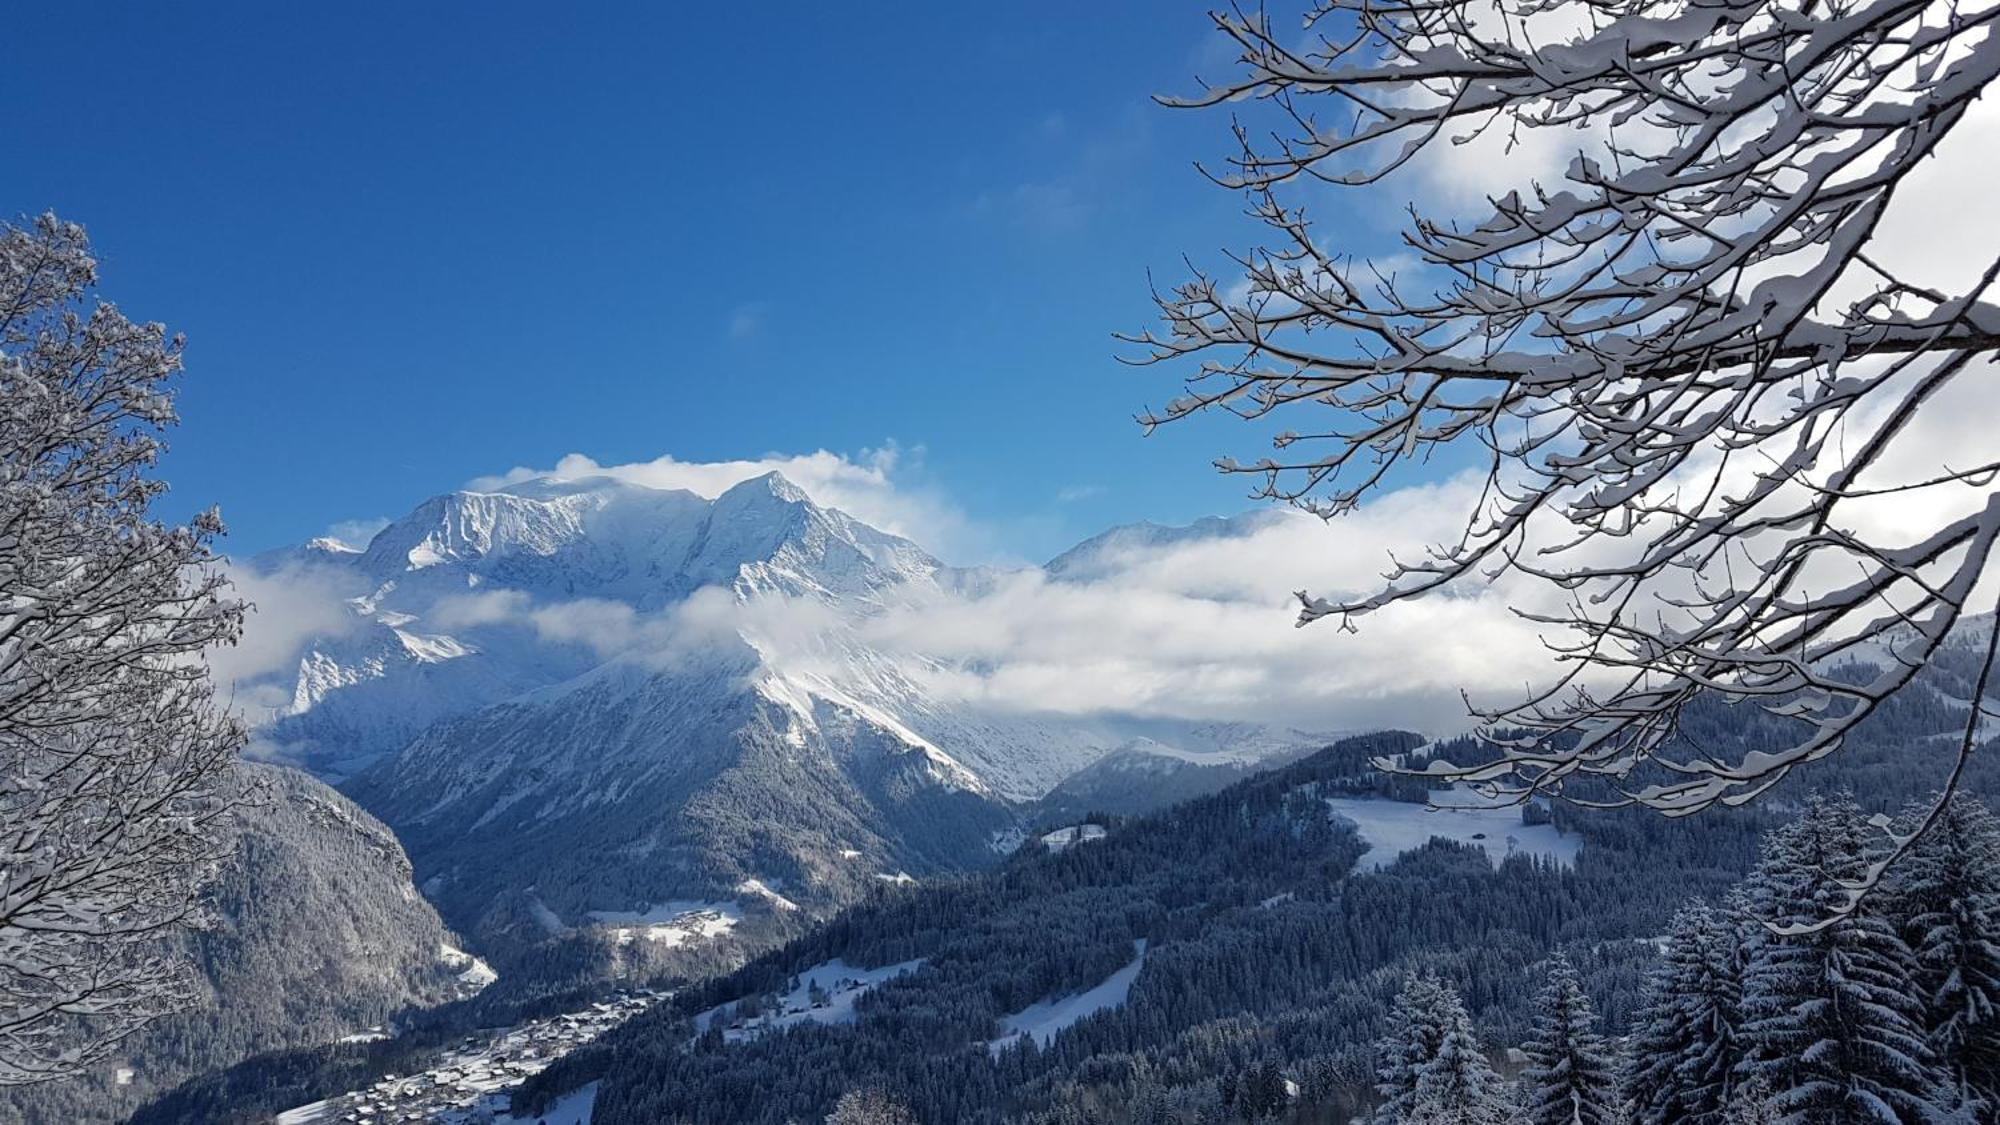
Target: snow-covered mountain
(570,696)
(1101,554)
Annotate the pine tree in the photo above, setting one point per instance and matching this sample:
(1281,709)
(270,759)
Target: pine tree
(1459,1085)
(1685,1040)
(1830,1017)
(1416,1032)
(1433,1070)
(1570,1079)
(1947,904)
(1263,1091)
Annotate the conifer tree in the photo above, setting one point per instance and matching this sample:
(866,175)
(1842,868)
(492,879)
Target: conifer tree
(1433,1070)
(1947,903)
(1570,1079)
(1417,1026)
(1831,1019)
(1263,1091)
(1686,1038)
(1459,1085)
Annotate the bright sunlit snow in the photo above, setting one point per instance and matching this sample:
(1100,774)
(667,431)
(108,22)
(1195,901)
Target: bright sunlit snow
(840,984)
(1394,827)
(1075,834)
(671,923)
(1044,1019)
(571,1109)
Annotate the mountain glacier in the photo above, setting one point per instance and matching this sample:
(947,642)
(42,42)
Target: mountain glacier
(570,696)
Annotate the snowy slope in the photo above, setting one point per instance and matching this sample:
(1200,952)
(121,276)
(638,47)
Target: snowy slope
(1103,553)
(826,994)
(1043,1020)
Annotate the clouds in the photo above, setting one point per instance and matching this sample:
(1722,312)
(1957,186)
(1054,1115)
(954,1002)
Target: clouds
(288,608)
(356,533)
(1200,630)
(1203,630)
(1197,627)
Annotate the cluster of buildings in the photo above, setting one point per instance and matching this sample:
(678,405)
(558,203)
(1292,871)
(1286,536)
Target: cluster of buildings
(471,1083)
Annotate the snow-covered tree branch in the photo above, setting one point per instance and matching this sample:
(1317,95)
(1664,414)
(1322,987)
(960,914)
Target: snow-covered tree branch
(116,764)
(1690,373)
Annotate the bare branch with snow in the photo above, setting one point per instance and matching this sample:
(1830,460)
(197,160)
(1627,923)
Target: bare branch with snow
(1687,371)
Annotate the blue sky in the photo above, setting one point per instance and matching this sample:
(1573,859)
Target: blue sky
(414,245)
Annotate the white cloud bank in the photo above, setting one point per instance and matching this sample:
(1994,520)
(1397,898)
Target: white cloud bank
(288,608)
(1201,629)
(1205,630)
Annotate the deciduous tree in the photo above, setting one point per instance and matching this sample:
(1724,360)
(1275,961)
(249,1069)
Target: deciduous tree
(116,764)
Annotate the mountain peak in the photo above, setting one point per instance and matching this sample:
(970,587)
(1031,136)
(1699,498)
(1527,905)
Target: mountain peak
(328,545)
(774,484)
(1100,553)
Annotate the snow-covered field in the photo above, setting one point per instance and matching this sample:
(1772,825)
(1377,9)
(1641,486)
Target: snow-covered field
(474,973)
(672,923)
(1044,1019)
(840,983)
(1075,834)
(1391,828)
(570,1109)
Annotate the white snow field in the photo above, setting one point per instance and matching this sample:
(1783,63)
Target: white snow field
(1391,828)
(1069,837)
(573,1108)
(671,923)
(841,983)
(474,972)
(1044,1019)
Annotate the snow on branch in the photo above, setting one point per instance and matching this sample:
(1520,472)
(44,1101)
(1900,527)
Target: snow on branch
(117,769)
(1685,368)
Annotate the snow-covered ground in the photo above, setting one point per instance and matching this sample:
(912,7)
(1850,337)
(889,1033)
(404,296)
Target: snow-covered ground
(767,890)
(840,984)
(1075,834)
(1391,828)
(570,1109)
(672,923)
(1043,1020)
(473,972)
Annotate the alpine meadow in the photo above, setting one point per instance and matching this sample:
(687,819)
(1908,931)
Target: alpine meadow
(656,566)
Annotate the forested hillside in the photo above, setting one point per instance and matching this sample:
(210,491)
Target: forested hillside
(1260,946)
(317,934)
(1263,948)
